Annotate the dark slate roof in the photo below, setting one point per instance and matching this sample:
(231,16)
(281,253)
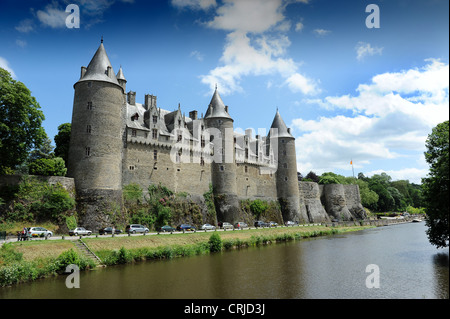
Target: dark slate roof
(216,107)
(120,75)
(96,70)
(282,130)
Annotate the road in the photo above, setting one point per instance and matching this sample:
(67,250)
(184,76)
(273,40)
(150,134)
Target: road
(67,237)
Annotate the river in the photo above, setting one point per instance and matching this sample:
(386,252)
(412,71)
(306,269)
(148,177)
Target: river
(392,262)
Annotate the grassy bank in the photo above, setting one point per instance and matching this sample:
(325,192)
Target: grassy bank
(25,261)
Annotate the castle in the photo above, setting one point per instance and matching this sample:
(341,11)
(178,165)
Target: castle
(116,141)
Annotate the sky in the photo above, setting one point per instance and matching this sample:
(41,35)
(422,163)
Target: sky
(360,81)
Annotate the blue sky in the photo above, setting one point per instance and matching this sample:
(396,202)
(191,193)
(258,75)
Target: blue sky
(347,91)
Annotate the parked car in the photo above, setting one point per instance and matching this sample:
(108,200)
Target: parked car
(226,225)
(167,228)
(108,230)
(291,223)
(260,223)
(185,227)
(136,228)
(272,224)
(240,225)
(39,232)
(208,227)
(79,231)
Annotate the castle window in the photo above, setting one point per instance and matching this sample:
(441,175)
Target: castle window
(178,158)
(154,134)
(179,138)
(221,168)
(282,140)
(203,127)
(89,84)
(155,154)
(202,142)
(133,133)
(89,105)
(179,122)
(135,117)
(202,161)
(155,119)
(131,167)
(87,151)
(88,129)
(246,169)
(286,179)
(246,153)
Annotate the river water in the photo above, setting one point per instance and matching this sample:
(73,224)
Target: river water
(395,261)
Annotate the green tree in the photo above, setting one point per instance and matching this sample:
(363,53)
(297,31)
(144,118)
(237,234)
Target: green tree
(62,141)
(20,123)
(435,185)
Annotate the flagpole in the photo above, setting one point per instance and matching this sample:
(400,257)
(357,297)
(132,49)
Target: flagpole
(351,162)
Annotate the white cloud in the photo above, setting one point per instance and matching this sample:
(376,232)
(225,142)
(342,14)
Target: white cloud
(365,49)
(4,64)
(392,116)
(25,26)
(255,45)
(194,4)
(300,83)
(299,27)
(196,54)
(321,32)
(52,16)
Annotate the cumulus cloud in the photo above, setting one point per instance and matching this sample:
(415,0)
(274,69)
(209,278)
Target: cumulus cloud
(392,116)
(256,44)
(364,49)
(52,16)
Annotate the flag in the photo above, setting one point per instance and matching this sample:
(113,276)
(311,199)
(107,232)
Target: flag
(351,162)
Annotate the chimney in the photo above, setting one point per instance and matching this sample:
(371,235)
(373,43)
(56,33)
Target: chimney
(83,71)
(193,115)
(226,108)
(131,98)
(150,101)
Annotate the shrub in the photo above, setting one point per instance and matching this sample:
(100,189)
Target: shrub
(48,167)
(215,243)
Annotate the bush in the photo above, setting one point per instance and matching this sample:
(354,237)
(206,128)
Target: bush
(48,167)
(215,243)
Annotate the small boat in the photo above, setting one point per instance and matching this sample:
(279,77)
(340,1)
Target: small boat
(416,220)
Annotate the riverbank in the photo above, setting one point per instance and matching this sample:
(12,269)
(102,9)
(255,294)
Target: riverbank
(26,261)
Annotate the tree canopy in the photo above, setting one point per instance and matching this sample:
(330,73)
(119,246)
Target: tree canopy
(435,185)
(20,123)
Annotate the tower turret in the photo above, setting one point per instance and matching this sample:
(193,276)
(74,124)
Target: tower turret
(283,145)
(223,170)
(95,151)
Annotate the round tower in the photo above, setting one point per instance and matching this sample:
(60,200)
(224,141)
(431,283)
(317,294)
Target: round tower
(223,168)
(283,144)
(96,145)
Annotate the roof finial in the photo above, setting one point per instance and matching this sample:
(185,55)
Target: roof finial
(216,86)
(101,39)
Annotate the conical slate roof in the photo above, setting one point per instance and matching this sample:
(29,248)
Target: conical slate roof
(97,68)
(120,75)
(216,107)
(280,126)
